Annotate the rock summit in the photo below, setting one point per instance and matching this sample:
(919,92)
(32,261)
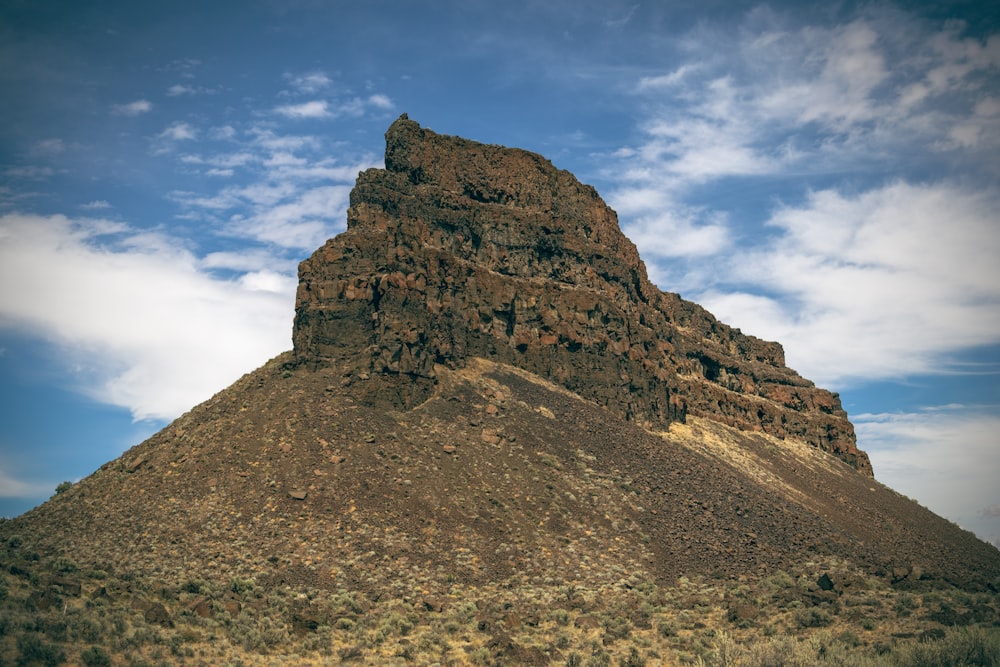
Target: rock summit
(458,249)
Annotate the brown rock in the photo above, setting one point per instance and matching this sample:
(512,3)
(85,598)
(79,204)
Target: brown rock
(900,573)
(200,606)
(457,249)
(490,438)
(157,613)
(432,604)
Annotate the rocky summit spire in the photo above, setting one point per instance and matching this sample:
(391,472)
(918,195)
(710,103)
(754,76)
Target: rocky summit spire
(458,249)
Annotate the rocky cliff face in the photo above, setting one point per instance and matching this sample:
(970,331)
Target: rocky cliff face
(458,249)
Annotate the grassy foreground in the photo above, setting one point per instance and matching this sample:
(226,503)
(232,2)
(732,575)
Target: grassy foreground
(53,612)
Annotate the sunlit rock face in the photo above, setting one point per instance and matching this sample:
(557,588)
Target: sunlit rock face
(458,249)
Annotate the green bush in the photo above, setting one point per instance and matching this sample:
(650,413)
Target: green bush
(241,586)
(813,618)
(617,627)
(95,656)
(34,651)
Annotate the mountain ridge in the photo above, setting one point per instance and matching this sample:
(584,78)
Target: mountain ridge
(458,248)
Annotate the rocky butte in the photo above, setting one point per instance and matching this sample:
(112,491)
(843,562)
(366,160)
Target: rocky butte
(458,250)
(494,442)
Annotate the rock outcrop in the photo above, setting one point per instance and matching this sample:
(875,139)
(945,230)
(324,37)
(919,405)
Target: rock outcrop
(458,249)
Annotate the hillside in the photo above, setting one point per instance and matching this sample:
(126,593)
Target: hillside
(494,442)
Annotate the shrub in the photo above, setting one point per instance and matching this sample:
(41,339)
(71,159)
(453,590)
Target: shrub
(634,659)
(599,658)
(198,586)
(95,656)
(351,653)
(617,627)
(667,628)
(62,487)
(240,586)
(33,651)
(813,618)
(905,604)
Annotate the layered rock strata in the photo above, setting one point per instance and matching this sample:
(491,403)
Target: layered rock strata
(458,249)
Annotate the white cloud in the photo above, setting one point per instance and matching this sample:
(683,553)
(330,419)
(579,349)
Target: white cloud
(885,269)
(248,261)
(135,108)
(149,328)
(49,147)
(309,83)
(265,137)
(285,213)
(319,170)
(669,235)
(284,159)
(268,281)
(96,205)
(878,285)
(222,160)
(223,133)
(29,172)
(355,106)
(835,82)
(313,109)
(380,101)
(179,132)
(167,140)
(293,193)
(304,221)
(180,89)
(812,100)
(981,130)
(947,456)
(669,80)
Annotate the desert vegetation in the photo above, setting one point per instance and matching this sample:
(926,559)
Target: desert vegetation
(54,612)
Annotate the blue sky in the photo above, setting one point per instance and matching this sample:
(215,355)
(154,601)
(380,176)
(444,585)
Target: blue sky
(824,174)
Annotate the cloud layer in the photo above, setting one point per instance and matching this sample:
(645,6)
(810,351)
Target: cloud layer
(882,284)
(944,455)
(887,267)
(141,319)
(155,318)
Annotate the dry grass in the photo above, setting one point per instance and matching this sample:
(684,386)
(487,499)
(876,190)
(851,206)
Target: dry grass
(54,613)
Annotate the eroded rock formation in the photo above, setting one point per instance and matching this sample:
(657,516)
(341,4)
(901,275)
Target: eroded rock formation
(458,249)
